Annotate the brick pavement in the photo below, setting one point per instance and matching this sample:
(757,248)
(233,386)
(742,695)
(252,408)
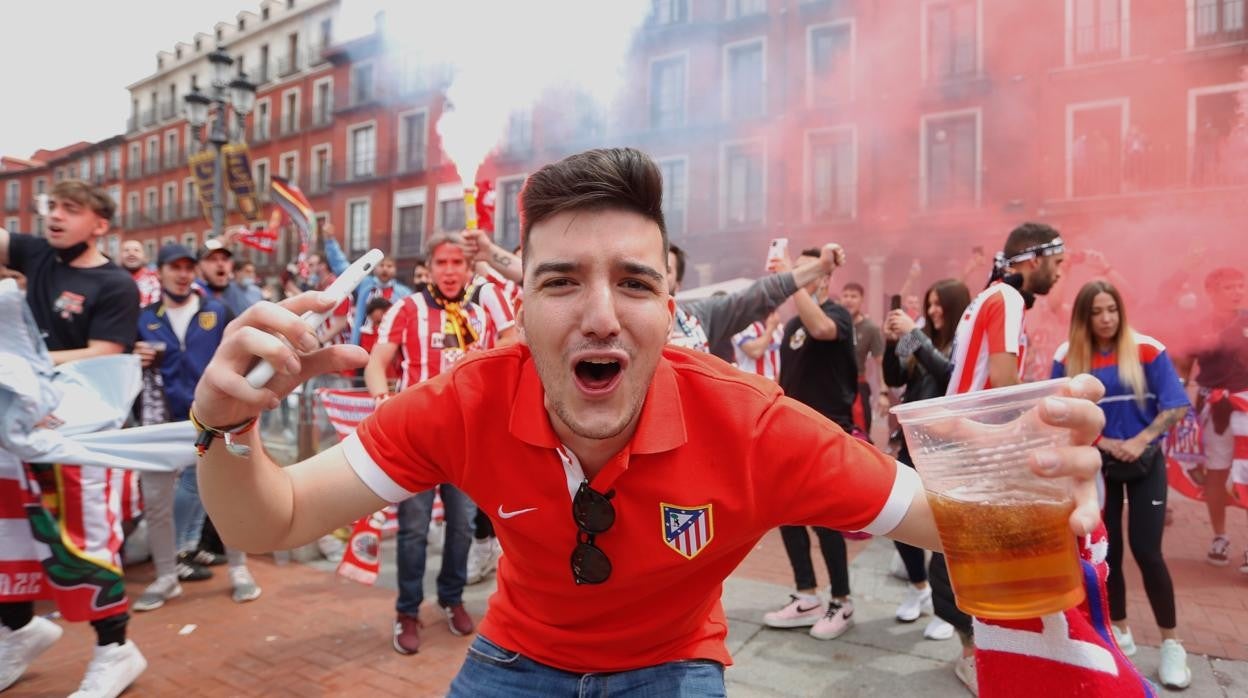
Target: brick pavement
(312,634)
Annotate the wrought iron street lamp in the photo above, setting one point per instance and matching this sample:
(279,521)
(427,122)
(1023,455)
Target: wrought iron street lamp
(237,96)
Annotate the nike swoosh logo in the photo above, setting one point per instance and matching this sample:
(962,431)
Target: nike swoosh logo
(808,610)
(510,514)
(1157,503)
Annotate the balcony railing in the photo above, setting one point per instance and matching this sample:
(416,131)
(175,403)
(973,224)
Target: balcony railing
(175,159)
(319,183)
(1146,169)
(358,169)
(169,213)
(168,110)
(134,219)
(190,209)
(152,166)
(324,114)
(289,126)
(148,117)
(134,169)
(260,133)
(288,65)
(132,123)
(1099,42)
(1219,22)
(11,204)
(315,55)
(113,173)
(264,73)
(413,163)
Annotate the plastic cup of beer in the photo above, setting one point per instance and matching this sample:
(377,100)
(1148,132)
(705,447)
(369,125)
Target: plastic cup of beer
(1005,530)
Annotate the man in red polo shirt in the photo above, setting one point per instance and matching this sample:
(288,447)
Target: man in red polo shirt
(674,462)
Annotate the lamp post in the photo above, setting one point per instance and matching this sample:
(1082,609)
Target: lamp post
(237,96)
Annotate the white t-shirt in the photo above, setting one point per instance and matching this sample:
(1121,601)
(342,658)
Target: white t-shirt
(180,317)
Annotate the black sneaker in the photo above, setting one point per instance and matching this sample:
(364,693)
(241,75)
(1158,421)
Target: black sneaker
(190,571)
(207,558)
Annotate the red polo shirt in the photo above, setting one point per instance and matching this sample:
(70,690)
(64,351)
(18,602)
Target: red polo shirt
(719,458)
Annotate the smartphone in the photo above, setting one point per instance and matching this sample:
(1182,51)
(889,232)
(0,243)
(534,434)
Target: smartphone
(894,303)
(777,250)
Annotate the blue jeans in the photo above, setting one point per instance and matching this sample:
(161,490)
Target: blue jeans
(414,516)
(491,671)
(188,511)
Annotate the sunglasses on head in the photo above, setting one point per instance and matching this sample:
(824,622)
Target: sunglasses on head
(594,515)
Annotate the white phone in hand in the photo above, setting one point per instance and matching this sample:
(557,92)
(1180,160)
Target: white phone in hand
(777,250)
(341,288)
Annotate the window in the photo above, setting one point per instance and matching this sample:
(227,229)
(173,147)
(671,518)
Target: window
(114,193)
(451,214)
(39,226)
(149,249)
(951,33)
(1216,122)
(831,178)
(1216,21)
(358,226)
(323,102)
(290,64)
(363,153)
(320,170)
(520,133)
(950,160)
(1098,30)
(170,211)
(261,123)
(742,185)
(743,80)
(361,83)
(1096,133)
(41,185)
(412,141)
(84,169)
(189,239)
(744,8)
(262,178)
(135,168)
(13,224)
(171,149)
(101,159)
(327,31)
(114,162)
(507,225)
(829,73)
(667,92)
(152,208)
(242,24)
(132,203)
(670,11)
(675,193)
(411,223)
(12,195)
(189,198)
(264,63)
(290,112)
(288,166)
(153,155)
(264,12)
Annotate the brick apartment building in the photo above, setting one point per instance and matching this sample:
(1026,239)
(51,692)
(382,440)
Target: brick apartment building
(903,128)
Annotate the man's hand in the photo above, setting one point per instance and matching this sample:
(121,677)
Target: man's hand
(831,256)
(146,353)
(897,324)
(268,331)
(476,245)
(1077,411)
(1133,448)
(328,231)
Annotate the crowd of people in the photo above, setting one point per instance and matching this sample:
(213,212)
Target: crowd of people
(594,392)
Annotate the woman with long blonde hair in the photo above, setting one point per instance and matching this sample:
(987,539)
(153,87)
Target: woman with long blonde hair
(1143,400)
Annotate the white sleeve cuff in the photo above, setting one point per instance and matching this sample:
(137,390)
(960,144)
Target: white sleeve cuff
(905,485)
(372,474)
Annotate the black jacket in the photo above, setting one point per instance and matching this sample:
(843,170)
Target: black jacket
(924,378)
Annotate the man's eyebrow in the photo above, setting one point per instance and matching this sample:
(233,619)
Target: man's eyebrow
(555,268)
(639,269)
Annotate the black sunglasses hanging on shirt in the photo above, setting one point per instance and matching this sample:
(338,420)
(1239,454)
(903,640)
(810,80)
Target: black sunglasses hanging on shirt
(594,515)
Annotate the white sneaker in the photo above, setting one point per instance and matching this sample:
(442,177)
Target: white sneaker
(799,612)
(964,669)
(897,567)
(245,588)
(1174,672)
(157,593)
(914,604)
(18,648)
(837,621)
(481,560)
(1126,642)
(938,630)
(112,669)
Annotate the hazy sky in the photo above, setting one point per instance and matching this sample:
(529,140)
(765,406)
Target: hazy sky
(64,65)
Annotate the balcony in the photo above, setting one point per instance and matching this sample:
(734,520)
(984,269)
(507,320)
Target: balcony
(323,115)
(260,133)
(113,173)
(190,209)
(1095,43)
(315,55)
(1218,23)
(134,169)
(169,213)
(289,126)
(148,118)
(264,74)
(152,166)
(11,204)
(413,163)
(359,169)
(134,219)
(319,183)
(132,123)
(288,65)
(1146,172)
(175,159)
(168,110)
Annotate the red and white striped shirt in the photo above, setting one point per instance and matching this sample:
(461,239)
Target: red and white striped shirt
(992,323)
(490,295)
(426,336)
(767,365)
(149,285)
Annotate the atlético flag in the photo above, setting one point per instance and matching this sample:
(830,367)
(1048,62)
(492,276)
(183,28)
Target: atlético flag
(485,206)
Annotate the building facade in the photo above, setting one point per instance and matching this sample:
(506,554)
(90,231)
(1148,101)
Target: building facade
(913,129)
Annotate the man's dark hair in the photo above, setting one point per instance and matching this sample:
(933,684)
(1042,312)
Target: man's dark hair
(1027,236)
(811,252)
(83,194)
(420,262)
(377,303)
(244,265)
(855,286)
(603,178)
(681,259)
(1221,275)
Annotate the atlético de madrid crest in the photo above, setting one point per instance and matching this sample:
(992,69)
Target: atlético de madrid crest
(687,530)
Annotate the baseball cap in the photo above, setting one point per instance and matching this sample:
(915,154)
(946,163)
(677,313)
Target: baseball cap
(214,245)
(172,252)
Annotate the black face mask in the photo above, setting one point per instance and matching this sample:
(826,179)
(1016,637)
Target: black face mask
(1016,280)
(69,254)
(175,297)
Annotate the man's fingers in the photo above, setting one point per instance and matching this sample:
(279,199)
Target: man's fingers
(250,343)
(316,301)
(339,357)
(235,389)
(1087,513)
(284,321)
(1080,464)
(1079,412)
